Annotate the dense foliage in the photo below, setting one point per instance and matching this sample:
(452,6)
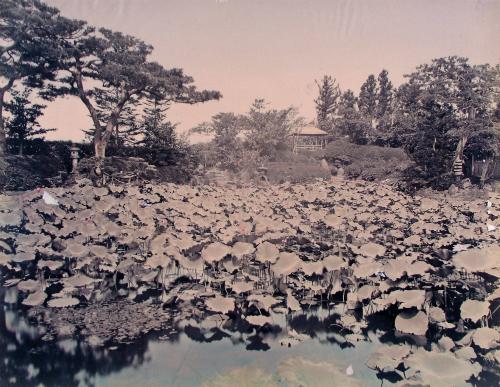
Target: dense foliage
(446,110)
(248,140)
(27,49)
(368,162)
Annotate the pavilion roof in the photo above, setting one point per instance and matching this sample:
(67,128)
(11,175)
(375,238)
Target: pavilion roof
(310,130)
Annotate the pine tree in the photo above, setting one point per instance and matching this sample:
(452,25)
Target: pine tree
(385,93)
(159,138)
(27,45)
(127,131)
(120,64)
(350,122)
(327,102)
(368,100)
(23,122)
(347,103)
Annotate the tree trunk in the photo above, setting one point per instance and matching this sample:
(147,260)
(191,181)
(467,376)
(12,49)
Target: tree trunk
(3,137)
(484,172)
(99,147)
(99,140)
(459,151)
(101,135)
(111,125)
(21,147)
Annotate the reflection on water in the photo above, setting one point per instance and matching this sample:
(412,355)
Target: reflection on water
(308,348)
(211,354)
(27,360)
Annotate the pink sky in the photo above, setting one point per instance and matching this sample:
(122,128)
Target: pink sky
(275,49)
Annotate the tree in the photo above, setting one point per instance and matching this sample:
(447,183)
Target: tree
(442,106)
(404,117)
(384,103)
(158,136)
(268,130)
(484,143)
(26,48)
(367,101)
(227,144)
(429,146)
(127,131)
(384,97)
(384,117)
(96,63)
(327,102)
(467,91)
(23,122)
(350,122)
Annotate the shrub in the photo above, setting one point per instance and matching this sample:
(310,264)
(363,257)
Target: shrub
(367,162)
(21,173)
(119,169)
(295,171)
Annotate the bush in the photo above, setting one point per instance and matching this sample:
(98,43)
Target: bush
(59,150)
(21,173)
(119,169)
(415,178)
(367,162)
(295,171)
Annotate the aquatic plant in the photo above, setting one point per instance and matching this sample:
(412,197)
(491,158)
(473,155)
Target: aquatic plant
(216,256)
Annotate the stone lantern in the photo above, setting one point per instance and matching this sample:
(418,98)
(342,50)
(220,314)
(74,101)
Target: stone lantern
(74,158)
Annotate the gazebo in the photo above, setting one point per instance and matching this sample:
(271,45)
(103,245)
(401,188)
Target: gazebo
(309,138)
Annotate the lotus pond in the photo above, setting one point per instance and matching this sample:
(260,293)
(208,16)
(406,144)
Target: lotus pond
(348,283)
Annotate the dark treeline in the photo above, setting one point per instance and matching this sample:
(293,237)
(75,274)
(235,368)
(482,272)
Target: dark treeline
(446,110)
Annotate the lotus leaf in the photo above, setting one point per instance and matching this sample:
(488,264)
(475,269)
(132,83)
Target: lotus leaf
(412,323)
(63,302)
(287,264)
(35,299)
(259,320)
(482,259)
(220,304)
(241,249)
(486,338)
(215,252)
(440,368)
(267,252)
(474,310)
(388,358)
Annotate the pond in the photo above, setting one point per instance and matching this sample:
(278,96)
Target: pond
(316,354)
(284,286)
(186,358)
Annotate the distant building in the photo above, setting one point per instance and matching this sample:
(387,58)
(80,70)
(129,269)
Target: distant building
(309,138)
